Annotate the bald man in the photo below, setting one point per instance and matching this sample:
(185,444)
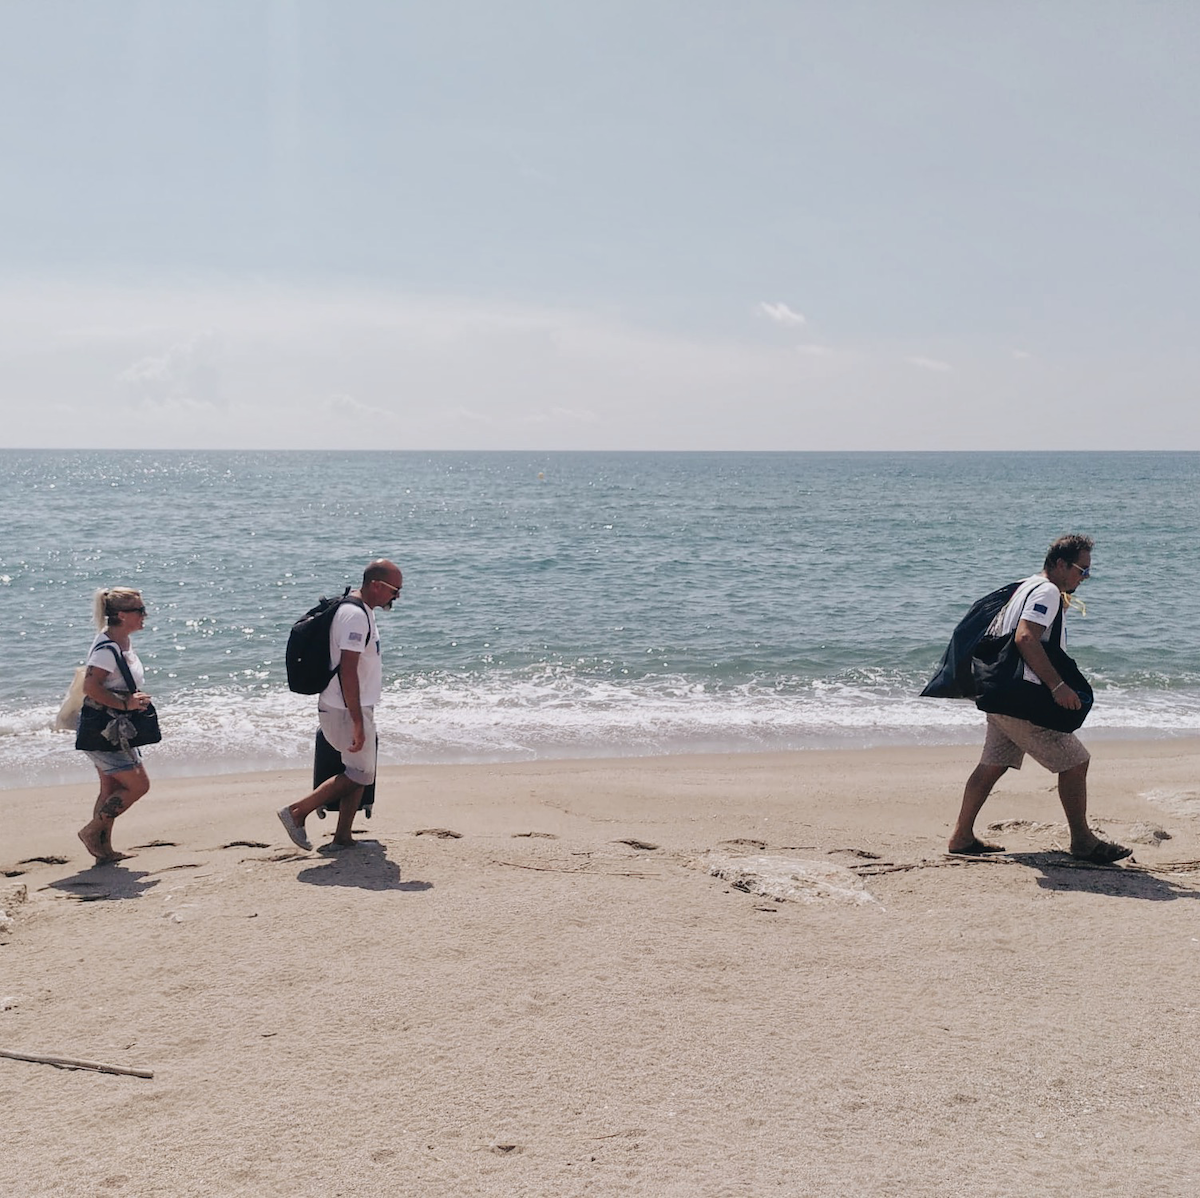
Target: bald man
(347,705)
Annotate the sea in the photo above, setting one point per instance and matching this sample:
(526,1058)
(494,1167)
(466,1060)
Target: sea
(561,605)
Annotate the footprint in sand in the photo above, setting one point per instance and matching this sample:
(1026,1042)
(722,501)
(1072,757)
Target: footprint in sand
(1030,827)
(634,843)
(43,861)
(537,835)
(440,833)
(245,844)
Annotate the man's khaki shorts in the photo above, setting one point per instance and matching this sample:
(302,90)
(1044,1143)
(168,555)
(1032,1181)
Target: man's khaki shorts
(1009,739)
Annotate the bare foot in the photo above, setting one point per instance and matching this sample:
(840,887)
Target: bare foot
(93,844)
(113,857)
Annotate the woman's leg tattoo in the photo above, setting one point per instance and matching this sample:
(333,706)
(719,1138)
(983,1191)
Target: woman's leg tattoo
(113,805)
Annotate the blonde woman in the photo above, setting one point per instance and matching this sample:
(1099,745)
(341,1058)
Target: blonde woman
(119,612)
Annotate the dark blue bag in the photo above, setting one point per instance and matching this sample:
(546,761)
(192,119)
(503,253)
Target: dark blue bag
(954,679)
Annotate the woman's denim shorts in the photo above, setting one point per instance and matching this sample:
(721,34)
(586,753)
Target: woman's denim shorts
(113,762)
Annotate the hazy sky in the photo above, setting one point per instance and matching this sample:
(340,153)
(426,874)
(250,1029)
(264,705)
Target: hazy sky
(626,224)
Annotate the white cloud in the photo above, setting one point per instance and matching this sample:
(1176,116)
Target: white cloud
(346,406)
(934,364)
(561,416)
(780,313)
(1022,355)
(468,416)
(184,373)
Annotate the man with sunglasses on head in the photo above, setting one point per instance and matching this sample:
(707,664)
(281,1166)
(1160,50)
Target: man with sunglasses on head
(347,705)
(1031,613)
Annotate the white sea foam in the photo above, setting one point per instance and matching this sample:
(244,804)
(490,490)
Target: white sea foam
(550,716)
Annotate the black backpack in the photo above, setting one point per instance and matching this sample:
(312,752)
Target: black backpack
(953,679)
(307,656)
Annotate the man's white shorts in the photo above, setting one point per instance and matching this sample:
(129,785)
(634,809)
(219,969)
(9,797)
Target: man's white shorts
(339,731)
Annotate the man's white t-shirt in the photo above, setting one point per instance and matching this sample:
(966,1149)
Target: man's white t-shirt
(102,656)
(354,629)
(1037,600)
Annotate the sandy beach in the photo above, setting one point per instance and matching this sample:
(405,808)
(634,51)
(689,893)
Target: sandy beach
(529,980)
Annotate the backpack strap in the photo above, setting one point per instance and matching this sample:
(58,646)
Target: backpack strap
(1021,591)
(122,664)
(348,598)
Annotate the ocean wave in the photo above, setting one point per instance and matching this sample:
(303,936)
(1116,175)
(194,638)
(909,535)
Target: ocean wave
(553,713)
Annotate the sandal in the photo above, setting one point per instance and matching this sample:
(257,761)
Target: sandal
(977,848)
(1104,853)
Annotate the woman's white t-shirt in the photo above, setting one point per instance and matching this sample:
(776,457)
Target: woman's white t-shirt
(102,656)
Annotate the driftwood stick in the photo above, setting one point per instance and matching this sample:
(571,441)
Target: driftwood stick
(1173,867)
(579,873)
(72,1063)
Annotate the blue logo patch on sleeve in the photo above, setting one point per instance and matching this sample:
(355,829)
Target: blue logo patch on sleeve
(354,636)
(1040,607)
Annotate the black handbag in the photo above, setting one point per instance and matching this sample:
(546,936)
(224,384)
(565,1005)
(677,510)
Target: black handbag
(998,672)
(103,730)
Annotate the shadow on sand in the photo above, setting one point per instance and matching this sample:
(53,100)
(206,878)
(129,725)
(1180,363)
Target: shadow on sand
(1060,872)
(105,882)
(365,866)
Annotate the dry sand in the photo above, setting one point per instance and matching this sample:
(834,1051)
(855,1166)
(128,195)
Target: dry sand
(538,1006)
